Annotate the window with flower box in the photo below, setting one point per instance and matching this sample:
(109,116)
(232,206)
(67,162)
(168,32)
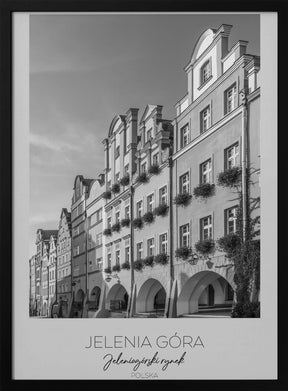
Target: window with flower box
(150,246)
(230,220)
(232,157)
(139,250)
(139,208)
(163,243)
(150,202)
(155,159)
(163,195)
(206,172)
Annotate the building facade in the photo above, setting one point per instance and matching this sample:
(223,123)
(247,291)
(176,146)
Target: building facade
(51,272)
(146,233)
(32,286)
(63,265)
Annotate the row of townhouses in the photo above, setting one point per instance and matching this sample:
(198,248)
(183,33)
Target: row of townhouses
(141,239)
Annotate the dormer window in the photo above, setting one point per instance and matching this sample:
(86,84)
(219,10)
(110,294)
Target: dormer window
(205,72)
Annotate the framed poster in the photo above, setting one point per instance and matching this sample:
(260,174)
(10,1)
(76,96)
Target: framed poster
(144,191)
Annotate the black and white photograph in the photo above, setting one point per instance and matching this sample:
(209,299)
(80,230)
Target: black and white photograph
(144,195)
(145,166)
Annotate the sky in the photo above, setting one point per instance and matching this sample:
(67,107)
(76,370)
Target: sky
(84,70)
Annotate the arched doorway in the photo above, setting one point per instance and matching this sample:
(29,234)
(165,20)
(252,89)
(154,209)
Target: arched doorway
(206,293)
(117,298)
(94,299)
(151,297)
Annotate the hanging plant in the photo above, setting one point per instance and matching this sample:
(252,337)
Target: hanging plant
(125,266)
(116,268)
(182,199)
(142,178)
(154,169)
(149,261)
(138,222)
(107,195)
(161,259)
(148,217)
(138,265)
(116,227)
(204,190)
(229,243)
(205,246)
(230,177)
(161,210)
(125,222)
(183,252)
(107,232)
(116,188)
(124,181)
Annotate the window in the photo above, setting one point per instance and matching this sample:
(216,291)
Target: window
(127,254)
(206,228)
(117,152)
(185,236)
(109,222)
(139,208)
(127,212)
(206,172)
(117,217)
(150,247)
(205,119)
(117,257)
(163,195)
(99,239)
(230,220)
(144,167)
(99,263)
(139,250)
(76,232)
(163,244)
(117,177)
(109,257)
(76,251)
(232,156)
(230,99)
(155,159)
(184,183)
(126,169)
(205,71)
(185,136)
(150,203)
(149,134)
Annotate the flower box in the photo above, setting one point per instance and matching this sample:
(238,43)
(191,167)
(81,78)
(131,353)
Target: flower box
(161,259)
(149,261)
(116,188)
(182,199)
(116,227)
(137,223)
(107,195)
(138,265)
(124,181)
(125,222)
(107,232)
(205,246)
(229,243)
(108,270)
(183,252)
(148,217)
(204,190)
(142,178)
(230,177)
(116,268)
(125,266)
(154,169)
(161,210)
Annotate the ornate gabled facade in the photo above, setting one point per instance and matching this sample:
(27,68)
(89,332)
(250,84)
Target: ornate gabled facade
(63,265)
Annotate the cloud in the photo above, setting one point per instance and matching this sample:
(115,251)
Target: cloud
(42,141)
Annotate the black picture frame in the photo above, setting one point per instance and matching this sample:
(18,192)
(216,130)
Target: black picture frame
(7,8)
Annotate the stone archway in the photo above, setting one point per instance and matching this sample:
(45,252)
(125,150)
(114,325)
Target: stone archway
(151,297)
(204,289)
(79,296)
(117,298)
